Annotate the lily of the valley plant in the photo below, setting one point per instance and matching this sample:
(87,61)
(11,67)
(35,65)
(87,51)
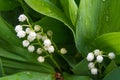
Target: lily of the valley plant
(59,39)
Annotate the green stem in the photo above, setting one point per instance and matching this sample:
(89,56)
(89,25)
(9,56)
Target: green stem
(44,50)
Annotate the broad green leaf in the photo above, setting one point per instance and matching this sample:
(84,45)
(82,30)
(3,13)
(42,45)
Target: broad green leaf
(70,9)
(6,5)
(109,42)
(28,75)
(109,20)
(20,65)
(75,77)
(48,8)
(81,68)
(86,24)
(59,30)
(110,67)
(95,18)
(113,75)
(7,34)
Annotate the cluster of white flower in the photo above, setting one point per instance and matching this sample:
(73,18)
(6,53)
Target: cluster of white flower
(97,57)
(34,36)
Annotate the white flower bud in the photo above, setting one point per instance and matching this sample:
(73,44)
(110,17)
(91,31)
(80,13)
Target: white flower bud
(90,56)
(18,28)
(31,48)
(47,42)
(91,65)
(37,27)
(51,49)
(22,18)
(31,38)
(21,34)
(111,55)
(28,30)
(39,51)
(49,33)
(44,37)
(94,71)
(63,51)
(97,52)
(25,43)
(41,59)
(99,58)
(32,34)
(39,36)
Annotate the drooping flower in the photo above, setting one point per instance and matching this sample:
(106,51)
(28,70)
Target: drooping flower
(26,43)
(99,58)
(47,42)
(37,27)
(94,71)
(31,48)
(18,28)
(90,56)
(111,55)
(39,51)
(63,51)
(51,49)
(41,59)
(21,34)
(91,65)
(22,18)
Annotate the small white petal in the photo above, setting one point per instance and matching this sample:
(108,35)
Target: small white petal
(51,49)
(21,34)
(94,71)
(41,59)
(37,27)
(31,48)
(47,42)
(91,65)
(25,43)
(30,38)
(111,55)
(90,56)
(63,51)
(28,30)
(39,51)
(32,34)
(97,52)
(99,58)
(22,18)
(18,28)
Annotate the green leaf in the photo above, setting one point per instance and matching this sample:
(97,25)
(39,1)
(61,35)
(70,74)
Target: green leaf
(81,68)
(113,75)
(95,18)
(7,34)
(86,24)
(109,20)
(1,68)
(110,67)
(48,8)
(110,42)
(70,9)
(59,30)
(20,65)
(29,76)
(75,77)
(8,5)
